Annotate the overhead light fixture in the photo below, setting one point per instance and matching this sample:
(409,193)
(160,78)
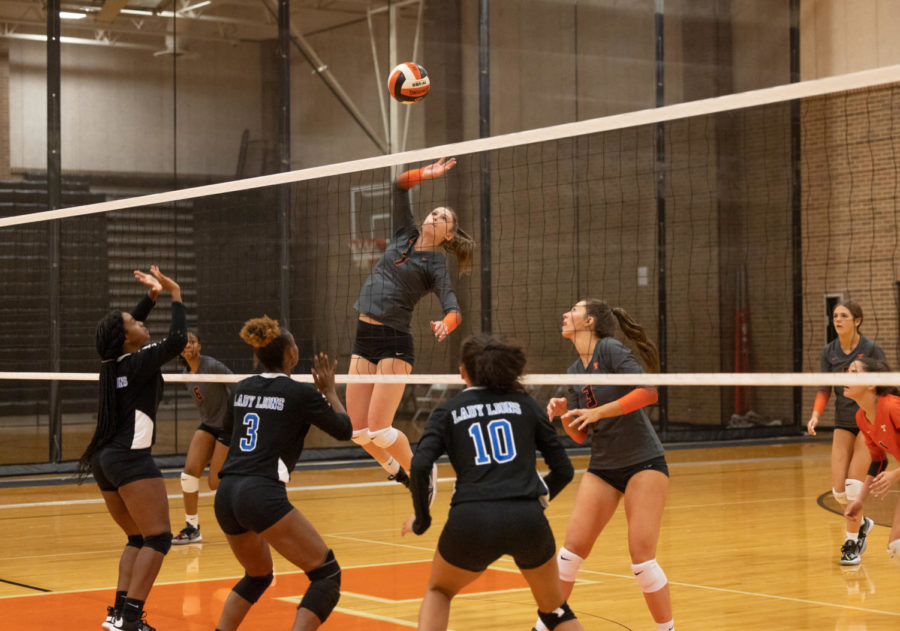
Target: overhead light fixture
(193,7)
(72,15)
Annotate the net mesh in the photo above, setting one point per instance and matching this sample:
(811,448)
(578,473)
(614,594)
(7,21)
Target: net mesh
(700,237)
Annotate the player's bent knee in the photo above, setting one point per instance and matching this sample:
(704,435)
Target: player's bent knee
(189,483)
(384,438)
(568,563)
(852,488)
(361,437)
(561,614)
(324,589)
(841,498)
(161,542)
(649,576)
(250,588)
(135,541)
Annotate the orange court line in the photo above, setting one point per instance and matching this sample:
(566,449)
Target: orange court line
(195,606)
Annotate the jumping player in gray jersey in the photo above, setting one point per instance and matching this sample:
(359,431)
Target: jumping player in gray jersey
(490,431)
(627,458)
(205,448)
(849,456)
(413,265)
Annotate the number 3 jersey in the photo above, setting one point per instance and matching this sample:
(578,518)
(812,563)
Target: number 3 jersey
(490,438)
(269,417)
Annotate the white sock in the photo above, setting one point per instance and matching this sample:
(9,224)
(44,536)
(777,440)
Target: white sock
(391,466)
(193,520)
(853,536)
(666,626)
(540,626)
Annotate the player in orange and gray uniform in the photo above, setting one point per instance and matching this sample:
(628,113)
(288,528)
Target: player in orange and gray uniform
(627,458)
(849,457)
(413,265)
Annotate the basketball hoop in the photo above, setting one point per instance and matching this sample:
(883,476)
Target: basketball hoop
(366,252)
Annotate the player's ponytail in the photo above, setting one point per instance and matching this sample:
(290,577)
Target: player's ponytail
(605,320)
(110,338)
(462,246)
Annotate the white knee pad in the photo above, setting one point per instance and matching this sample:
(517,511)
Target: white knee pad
(361,437)
(649,576)
(384,438)
(189,484)
(852,488)
(893,551)
(840,497)
(568,563)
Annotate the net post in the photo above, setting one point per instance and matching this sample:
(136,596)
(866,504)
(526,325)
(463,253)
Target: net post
(796,211)
(484,160)
(54,196)
(284,147)
(660,74)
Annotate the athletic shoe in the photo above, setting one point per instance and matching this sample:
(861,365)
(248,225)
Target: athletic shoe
(188,534)
(110,621)
(400,477)
(850,553)
(137,625)
(432,485)
(864,529)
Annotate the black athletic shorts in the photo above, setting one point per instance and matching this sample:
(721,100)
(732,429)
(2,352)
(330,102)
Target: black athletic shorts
(375,342)
(114,466)
(618,478)
(478,533)
(854,429)
(249,502)
(209,429)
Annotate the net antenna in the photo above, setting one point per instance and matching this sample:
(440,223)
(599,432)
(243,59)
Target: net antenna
(396,142)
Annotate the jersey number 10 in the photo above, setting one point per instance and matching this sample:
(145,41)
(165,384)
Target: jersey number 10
(503,447)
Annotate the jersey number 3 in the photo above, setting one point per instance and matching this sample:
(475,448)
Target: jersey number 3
(251,422)
(503,447)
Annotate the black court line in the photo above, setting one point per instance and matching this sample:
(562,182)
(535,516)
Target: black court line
(37,589)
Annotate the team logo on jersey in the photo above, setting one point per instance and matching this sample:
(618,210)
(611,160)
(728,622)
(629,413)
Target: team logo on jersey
(596,365)
(121,382)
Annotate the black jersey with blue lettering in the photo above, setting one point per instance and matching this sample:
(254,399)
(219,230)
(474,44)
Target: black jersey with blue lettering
(404,275)
(211,397)
(834,359)
(139,381)
(490,437)
(619,441)
(269,417)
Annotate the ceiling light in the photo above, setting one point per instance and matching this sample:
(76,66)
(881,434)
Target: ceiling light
(71,15)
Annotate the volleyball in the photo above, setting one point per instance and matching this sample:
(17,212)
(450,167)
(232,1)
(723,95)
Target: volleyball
(409,83)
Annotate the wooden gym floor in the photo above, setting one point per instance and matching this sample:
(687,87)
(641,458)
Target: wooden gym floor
(749,543)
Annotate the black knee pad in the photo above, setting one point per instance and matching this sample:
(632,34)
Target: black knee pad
(556,617)
(161,542)
(135,541)
(324,589)
(250,588)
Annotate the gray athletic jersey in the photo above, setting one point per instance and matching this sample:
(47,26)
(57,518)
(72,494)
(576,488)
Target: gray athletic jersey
(404,275)
(619,441)
(211,398)
(835,360)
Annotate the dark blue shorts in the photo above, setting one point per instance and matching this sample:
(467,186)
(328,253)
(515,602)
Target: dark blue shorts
(249,502)
(478,533)
(114,466)
(375,342)
(618,478)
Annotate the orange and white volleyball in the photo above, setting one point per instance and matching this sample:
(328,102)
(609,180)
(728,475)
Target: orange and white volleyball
(409,83)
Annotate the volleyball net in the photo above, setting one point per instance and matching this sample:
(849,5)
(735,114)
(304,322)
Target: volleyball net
(726,227)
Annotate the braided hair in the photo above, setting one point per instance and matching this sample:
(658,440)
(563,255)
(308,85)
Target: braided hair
(605,319)
(493,363)
(110,338)
(268,340)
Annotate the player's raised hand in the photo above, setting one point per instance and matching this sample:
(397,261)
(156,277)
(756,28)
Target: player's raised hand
(152,284)
(438,168)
